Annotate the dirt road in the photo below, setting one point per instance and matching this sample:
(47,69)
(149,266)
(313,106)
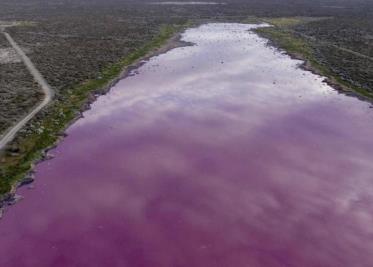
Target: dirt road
(10,134)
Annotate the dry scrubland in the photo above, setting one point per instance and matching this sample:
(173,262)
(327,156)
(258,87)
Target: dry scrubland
(346,44)
(18,92)
(80,45)
(341,52)
(343,44)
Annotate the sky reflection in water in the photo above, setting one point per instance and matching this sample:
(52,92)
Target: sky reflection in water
(219,154)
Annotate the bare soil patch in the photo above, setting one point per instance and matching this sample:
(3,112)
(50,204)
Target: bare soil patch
(8,55)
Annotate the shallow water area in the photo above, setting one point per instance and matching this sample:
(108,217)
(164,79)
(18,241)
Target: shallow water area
(224,153)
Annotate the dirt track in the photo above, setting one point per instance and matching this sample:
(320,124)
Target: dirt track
(10,134)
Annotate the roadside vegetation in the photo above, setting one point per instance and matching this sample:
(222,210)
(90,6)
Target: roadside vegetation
(18,92)
(48,128)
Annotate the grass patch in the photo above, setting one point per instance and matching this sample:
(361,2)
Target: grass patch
(287,41)
(282,22)
(43,133)
(287,22)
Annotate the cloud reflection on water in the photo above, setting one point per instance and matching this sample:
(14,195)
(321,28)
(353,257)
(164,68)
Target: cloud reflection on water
(220,154)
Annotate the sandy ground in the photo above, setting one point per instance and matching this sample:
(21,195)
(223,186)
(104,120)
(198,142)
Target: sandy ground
(8,55)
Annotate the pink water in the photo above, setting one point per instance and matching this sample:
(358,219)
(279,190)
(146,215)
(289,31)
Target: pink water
(224,154)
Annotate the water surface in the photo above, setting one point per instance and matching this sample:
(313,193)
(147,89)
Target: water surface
(220,154)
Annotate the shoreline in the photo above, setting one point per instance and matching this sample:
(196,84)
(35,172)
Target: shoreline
(10,198)
(308,65)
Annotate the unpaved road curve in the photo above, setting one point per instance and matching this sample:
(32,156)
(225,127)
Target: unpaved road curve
(9,136)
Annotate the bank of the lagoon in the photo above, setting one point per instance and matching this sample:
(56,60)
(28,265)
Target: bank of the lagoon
(30,146)
(220,154)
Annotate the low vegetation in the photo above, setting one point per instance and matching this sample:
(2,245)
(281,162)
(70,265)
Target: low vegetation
(45,130)
(349,70)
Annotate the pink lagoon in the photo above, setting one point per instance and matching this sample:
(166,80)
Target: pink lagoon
(220,154)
